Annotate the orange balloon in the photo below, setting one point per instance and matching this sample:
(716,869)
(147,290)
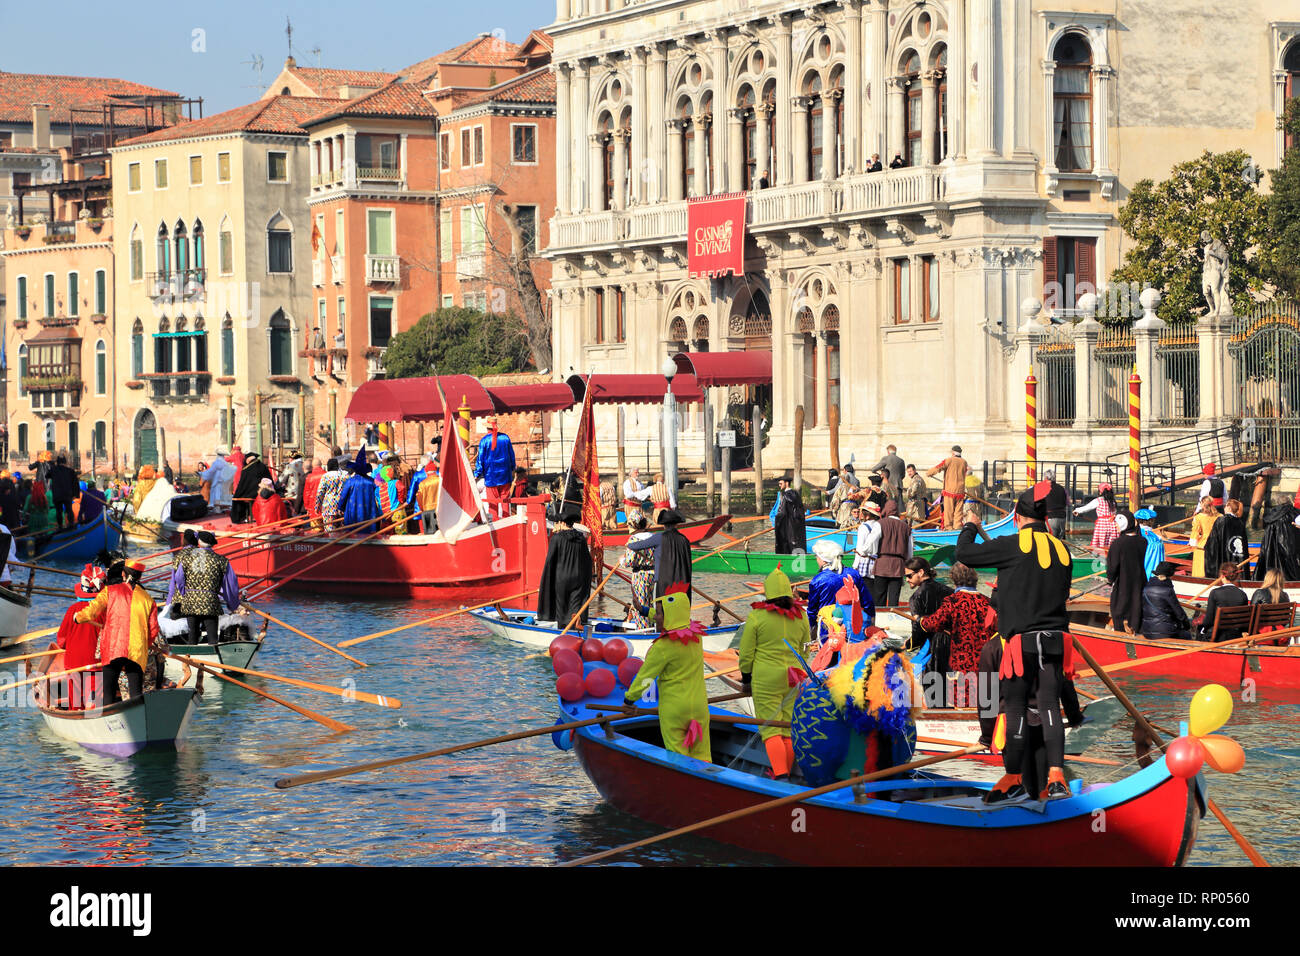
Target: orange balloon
(1223,753)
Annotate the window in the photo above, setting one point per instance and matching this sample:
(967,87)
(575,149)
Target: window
(223,167)
(688,127)
(200,345)
(339,232)
(133,177)
(182,242)
(598,316)
(471,230)
(523,143)
(162,349)
(160,173)
(620,328)
(49,295)
(281,344)
(448,301)
(1291,65)
(200,253)
(813,88)
(379,232)
(476,301)
(321,317)
(101,292)
(162,248)
(227,348)
(1069,270)
(74,300)
(748,138)
(444,151)
(912,109)
(101,439)
(73,449)
(196,170)
(466,147)
(381,320)
(478,145)
(137,349)
(226,251)
(607,163)
(1072,104)
(444,236)
(902,292)
(836,111)
(137,256)
(279,245)
(941,101)
(22,439)
(282,427)
(343,315)
(929,289)
(21,292)
(277,167)
(22,369)
(528,228)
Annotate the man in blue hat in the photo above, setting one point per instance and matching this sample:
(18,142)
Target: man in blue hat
(1155,544)
(359,500)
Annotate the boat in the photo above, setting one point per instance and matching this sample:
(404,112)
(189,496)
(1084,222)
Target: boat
(81,542)
(158,719)
(520,626)
(701,529)
(14,609)
(493,560)
(1190,589)
(145,532)
(797,565)
(237,647)
(934,536)
(922,819)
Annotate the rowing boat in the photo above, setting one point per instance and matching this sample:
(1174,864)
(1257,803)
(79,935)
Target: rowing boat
(800,565)
(522,627)
(159,719)
(701,529)
(923,819)
(14,609)
(933,536)
(1189,588)
(82,542)
(236,645)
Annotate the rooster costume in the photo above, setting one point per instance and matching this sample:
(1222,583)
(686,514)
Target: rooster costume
(676,662)
(773,630)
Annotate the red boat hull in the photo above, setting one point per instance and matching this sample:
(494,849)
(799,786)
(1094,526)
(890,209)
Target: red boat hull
(1154,828)
(1266,666)
(695,531)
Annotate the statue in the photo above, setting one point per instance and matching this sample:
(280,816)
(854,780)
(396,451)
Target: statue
(1214,276)
(9,215)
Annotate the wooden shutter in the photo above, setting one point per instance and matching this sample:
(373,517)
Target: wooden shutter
(1085,264)
(1049,264)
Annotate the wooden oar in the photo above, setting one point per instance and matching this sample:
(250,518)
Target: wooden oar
(1174,523)
(256,530)
(774,804)
(33,635)
(378,700)
(41,677)
(1206,646)
(26,657)
(989,503)
(290,627)
(430,620)
(329,722)
(384,527)
(730,545)
(1150,730)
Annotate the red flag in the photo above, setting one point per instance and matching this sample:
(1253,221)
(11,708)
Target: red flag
(315,238)
(459,504)
(585,467)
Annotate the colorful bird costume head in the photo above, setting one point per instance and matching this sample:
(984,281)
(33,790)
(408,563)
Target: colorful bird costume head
(672,613)
(775,586)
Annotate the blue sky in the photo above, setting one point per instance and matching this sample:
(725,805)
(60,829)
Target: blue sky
(154,43)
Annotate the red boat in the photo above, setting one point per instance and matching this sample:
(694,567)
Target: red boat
(495,560)
(696,531)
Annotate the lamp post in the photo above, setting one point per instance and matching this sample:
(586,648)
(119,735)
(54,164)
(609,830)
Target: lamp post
(668,451)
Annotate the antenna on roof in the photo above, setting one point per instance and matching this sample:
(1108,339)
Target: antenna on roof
(255,62)
(288,32)
(315,51)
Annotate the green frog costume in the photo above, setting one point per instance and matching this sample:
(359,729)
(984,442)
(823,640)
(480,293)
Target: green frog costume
(767,661)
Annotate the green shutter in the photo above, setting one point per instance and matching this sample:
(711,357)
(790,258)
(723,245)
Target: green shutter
(379,232)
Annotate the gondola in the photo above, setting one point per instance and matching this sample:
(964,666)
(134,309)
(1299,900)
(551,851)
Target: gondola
(701,529)
(522,628)
(236,645)
(82,542)
(158,719)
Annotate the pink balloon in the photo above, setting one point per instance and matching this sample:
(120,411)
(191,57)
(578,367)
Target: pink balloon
(567,662)
(628,669)
(600,682)
(593,649)
(1184,757)
(570,686)
(616,651)
(565,642)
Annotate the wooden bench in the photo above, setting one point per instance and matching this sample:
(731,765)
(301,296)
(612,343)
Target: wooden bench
(1272,615)
(1240,618)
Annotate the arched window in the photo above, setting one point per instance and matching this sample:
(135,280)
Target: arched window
(200,345)
(607,161)
(136,253)
(1291,64)
(101,367)
(688,148)
(22,369)
(279,245)
(137,349)
(49,435)
(164,251)
(813,90)
(912,109)
(182,243)
(200,254)
(700,333)
(1072,104)
(835,110)
(704,181)
(227,347)
(749,136)
(281,344)
(162,348)
(941,104)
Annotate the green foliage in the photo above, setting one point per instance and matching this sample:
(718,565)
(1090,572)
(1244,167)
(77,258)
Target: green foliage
(1165,220)
(1284,207)
(458,341)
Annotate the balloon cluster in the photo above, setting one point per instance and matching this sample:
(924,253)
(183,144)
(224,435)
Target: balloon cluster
(1210,710)
(573,680)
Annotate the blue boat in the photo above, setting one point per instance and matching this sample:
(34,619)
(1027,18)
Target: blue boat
(81,542)
(819,528)
(520,626)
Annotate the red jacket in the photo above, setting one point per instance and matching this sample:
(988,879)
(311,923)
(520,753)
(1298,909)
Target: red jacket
(309,489)
(268,510)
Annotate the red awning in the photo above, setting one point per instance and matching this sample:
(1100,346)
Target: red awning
(634,389)
(726,368)
(538,397)
(416,399)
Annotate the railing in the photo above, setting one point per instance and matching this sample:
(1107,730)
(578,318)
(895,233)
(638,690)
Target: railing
(379,173)
(178,386)
(657,221)
(330,177)
(318,272)
(470,266)
(61,231)
(1005,478)
(1178,371)
(816,200)
(1054,368)
(1112,362)
(336,268)
(189,284)
(382,268)
(1163,462)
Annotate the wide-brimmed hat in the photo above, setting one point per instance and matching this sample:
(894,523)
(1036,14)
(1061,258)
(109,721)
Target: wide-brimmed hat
(1145,514)
(671,517)
(871,508)
(91,582)
(1165,569)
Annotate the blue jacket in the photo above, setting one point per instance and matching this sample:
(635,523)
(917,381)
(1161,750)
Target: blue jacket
(1155,551)
(497,467)
(358,501)
(822,589)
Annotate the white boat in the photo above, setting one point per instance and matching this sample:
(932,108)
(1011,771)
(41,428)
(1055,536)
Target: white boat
(159,719)
(522,628)
(14,609)
(1198,589)
(237,646)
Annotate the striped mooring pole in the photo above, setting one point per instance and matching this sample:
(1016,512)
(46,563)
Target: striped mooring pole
(1031,428)
(1134,441)
(462,424)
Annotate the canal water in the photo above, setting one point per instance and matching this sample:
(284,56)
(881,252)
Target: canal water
(519,803)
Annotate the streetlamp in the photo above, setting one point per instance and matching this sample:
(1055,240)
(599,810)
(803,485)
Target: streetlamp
(668,453)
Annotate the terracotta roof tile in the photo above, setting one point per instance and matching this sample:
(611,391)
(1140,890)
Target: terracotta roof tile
(279,114)
(326,82)
(484,49)
(535,87)
(397,99)
(18,91)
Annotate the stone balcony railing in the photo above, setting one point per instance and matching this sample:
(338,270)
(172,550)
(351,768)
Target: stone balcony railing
(382,268)
(382,174)
(318,272)
(332,177)
(470,266)
(178,386)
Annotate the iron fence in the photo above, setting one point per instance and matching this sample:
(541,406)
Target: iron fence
(1265,352)
(1054,369)
(1178,368)
(1113,360)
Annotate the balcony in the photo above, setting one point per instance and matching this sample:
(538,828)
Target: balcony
(471,266)
(178,387)
(382,268)
(318,272)
(375,362)
(332,177)
(336,269)
(381,174)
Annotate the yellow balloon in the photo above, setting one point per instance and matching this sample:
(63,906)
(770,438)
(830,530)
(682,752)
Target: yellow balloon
(1223,753)
(1211,708)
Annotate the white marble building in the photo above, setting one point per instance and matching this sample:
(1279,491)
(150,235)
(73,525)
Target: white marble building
(1020,124)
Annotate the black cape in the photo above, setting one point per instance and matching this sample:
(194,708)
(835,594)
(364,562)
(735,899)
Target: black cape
(249,477)
(791,535)
(1277,547)
(1228,541)
(566,578)
(1127,576)
(673,562)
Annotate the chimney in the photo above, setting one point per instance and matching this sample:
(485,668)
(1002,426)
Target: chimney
(41,125)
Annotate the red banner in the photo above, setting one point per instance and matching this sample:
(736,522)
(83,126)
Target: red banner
(715,235)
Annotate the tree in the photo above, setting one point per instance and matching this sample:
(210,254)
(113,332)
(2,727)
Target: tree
(457,341)
(1212,193)
(1284,207)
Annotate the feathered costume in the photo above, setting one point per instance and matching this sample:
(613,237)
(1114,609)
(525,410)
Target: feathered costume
(675,662)
(768,662)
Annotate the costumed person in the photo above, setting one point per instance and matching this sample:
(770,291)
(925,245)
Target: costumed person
(328,493)
(1226,593)
(1126,572)
(10,507)
(890,462)
(954,469)
(1259,497)
(1278,547)
(1211,487)
(310,488)
(495,466)
(634,492)
(1272,590)
(92,504)
(78,642)
(1155,544)
(130,631)
(845,501)
(916,494)
(641,565)
(201,583)
(788,519)
(876,492)
(675,662)
(36,513)
(426,495)
(1162,615)
(927,594)
(268,507)
(391,489)
(218,476)
(565,584)
(895,547)
(969,620)
(672,553)
(1103,528)
(866,542)
(768,665)
(358,500)
(1228,539)
(520,488)
(292,475)
(830,578)
(660,498)
(840,630)
(1035,568)
(1207,516)
(1058,503)
(250,478)
(62,482)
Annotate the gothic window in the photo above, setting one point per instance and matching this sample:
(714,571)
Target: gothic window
(1072,104)
(281,341)
(607,161)
(688,149)
(181,239)
(137,349)
(812,90)
(748,135)
(164,250)
(912,109)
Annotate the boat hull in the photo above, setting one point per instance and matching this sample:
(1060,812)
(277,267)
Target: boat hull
(512,628)
(157,720)
(994,529)
(14,610)
(702,529)
(234,653)
(83,542)
(1266,666)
